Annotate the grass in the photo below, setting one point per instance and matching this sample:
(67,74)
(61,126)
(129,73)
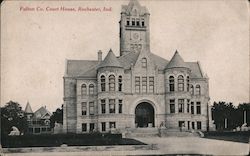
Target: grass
(229,136)
(69,139)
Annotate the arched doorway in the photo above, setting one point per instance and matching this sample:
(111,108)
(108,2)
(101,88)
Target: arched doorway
(144,115)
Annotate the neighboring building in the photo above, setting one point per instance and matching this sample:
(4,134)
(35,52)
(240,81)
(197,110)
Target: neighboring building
(39,121)
(136,89)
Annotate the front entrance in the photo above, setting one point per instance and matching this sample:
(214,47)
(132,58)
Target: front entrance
(144,115)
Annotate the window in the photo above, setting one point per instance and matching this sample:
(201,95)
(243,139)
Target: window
(181,123)
(103,106)
(198,125)
(43,129)
(91,108)
(151,84)
(142,22)
(103,84)
(137,84)
(111,83)
(192,90)
(198,90)
(128,21)
(103,126)
(198,107)
(137,22)
(192,107)
(120,83)
(112,125)
(37,130)
(84,127)
(172,106)
(91,89)
(120,106)
(171,84)
(144,63)
(188,105)
(188,83)
(193,127)
(181,105)
(91,127)
(188,125)
(84,108)
(180,83)
(144,84)
(111,105)
(84,89)
(133,21)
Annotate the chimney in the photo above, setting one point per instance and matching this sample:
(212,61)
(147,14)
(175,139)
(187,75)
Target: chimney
(99,56)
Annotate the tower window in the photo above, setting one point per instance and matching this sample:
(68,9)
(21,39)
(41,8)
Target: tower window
(128,21)
(120,83)
(137,22)
(142,22)
(171,84)
(133,22)
(103,88)
(144,63)
(198,89)
(137,84)
(180,83)
(84,89)
(111,83)
(91,89)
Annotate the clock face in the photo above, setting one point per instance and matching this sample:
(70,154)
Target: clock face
(135,36)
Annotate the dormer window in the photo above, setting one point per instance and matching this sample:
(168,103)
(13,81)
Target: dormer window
(133,22)
(144,63)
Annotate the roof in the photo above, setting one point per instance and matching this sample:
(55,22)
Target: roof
(41,112)
(128,8)
(176,61)
(195,69)
(110,61)
(28,108)
(79,67)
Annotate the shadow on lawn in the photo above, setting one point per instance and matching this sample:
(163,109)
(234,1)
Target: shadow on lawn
(229,136)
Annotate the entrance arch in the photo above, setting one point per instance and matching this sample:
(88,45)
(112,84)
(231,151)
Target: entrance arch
(144,115)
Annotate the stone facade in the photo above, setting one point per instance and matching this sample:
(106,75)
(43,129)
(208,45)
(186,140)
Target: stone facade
(136,89)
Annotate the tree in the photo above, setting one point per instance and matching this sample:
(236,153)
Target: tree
(57,116)
(244,107)
(12,115)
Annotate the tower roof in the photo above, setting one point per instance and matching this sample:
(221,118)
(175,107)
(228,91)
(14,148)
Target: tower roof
(176,61)
(28,108)
(110,61)
(134,3)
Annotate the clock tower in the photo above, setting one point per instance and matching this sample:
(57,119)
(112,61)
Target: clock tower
(134,28)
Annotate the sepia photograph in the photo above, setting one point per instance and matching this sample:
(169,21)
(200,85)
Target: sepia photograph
(125,77)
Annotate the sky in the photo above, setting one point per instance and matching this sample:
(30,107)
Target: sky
(35,44)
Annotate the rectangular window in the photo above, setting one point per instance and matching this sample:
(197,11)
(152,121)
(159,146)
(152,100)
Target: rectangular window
(193,127)
(112,125)
(188,105)
(111,105)
(103,126)
(103,106)
(91,127)
(181,123)
(188,125)
(120,106)
(142,22)
(91,108)
(37,130)
(192,107)
(198,125)
(137,22)
(128,20)
(84,108)
(172,106)
(144,84)
(43,129)
(133,22)
(198,107)
(151,84)
(137,84)
(84,127)
(181,105)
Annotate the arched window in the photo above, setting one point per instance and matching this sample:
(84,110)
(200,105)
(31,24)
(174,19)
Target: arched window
(180,83)
(144,63)
(192,90)
(188,83)
(198,89)
(91,89)
(171,84)
(83,89)
(120,83)
(103,84)
(111,83)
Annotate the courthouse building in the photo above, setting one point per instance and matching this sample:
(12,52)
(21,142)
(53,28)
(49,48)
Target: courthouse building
(136,89)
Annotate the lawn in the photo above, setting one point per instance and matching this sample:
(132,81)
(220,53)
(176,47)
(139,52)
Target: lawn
(229,136)
(57,140)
